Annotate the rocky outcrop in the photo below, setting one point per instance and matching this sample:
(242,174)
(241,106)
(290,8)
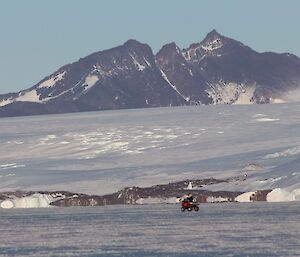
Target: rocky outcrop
(260,195)
(135,195)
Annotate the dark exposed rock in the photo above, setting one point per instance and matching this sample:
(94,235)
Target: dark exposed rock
(131,76)
(131,195)
(260,195)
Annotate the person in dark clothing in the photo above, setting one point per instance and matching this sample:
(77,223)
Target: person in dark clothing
(190,198)
(189,203)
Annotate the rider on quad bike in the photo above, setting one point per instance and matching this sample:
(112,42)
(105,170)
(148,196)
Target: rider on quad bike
(189,203)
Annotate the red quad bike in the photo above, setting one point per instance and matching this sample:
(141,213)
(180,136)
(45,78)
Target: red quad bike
(185,205)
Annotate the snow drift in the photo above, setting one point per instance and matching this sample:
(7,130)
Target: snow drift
(32,201)
(276,195)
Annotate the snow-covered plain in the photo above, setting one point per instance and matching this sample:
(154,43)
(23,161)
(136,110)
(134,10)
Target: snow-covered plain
(102,152)
(226,229)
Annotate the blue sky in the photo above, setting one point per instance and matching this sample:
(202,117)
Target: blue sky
(38,36)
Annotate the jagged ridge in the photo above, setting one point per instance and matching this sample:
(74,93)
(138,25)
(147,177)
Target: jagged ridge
(217,70)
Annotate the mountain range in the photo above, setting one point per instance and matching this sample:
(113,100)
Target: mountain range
(218,70)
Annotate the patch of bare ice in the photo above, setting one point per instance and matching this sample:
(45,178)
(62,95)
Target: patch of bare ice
(267,119)
(289,152)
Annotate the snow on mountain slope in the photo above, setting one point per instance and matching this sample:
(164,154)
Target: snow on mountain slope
(90,81)
(102,152)
(34,94)
(29,96)
(214,45)
(52,81)
(174,87)
(24,96)
(289,96)
(211,45)
(230,93)
(6,101)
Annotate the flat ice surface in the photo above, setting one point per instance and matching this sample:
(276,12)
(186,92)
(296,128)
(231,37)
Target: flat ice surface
(244,229)
(102,152)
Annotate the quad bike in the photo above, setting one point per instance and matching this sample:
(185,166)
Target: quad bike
(186,205)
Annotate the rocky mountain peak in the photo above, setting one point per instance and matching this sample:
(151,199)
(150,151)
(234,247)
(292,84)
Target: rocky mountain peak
(213,35)
(213,41)
(169,51)
(170,47)
(133,44)
(214,44)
